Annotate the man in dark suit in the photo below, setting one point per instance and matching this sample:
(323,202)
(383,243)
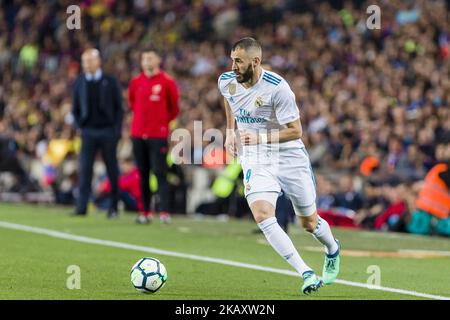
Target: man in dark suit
(97,109)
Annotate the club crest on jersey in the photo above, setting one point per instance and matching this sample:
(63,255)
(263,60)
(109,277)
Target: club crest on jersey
(258,102)
(156,88)
(232,88)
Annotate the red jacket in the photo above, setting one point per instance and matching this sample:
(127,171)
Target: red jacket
(395,209)
(129,182)
(154,102)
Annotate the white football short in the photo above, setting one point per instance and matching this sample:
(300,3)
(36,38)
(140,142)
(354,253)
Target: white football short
(291,173)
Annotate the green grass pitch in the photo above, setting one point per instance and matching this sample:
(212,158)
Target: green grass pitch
(34,265)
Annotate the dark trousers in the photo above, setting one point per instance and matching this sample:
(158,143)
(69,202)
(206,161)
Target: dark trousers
(150,155)
(93,140)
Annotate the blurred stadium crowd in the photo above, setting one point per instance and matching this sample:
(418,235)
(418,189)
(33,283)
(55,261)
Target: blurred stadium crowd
(374,104)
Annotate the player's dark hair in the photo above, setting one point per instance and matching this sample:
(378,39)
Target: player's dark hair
(151,49)
(246,44)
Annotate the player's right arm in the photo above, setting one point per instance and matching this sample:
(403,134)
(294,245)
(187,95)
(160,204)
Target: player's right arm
(230,140)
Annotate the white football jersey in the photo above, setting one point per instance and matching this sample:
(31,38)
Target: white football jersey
(267,105)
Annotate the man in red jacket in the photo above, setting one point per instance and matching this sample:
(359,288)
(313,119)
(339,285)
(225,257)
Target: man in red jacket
(153,99)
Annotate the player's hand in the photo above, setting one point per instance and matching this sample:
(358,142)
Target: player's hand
(248,138)
(230,142)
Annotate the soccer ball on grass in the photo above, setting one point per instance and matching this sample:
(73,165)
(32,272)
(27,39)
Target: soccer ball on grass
(148,275)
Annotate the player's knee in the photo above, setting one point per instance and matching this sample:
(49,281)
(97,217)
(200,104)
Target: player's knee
(262,209)
(262,213)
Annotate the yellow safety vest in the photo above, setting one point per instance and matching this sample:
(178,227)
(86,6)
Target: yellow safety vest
(224,184)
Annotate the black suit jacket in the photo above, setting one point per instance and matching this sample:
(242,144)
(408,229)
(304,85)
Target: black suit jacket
(110,101)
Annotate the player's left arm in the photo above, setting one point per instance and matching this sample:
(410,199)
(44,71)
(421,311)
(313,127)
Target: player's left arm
(293,131)
(287,114)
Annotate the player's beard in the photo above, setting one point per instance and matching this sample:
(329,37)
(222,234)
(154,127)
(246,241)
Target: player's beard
(247,75)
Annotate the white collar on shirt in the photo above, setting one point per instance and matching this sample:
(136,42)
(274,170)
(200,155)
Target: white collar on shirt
(97,76)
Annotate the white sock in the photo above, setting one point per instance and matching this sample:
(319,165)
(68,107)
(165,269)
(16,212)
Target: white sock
(323,234)
(282,244)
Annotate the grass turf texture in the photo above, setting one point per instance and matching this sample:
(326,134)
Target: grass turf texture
(34,266)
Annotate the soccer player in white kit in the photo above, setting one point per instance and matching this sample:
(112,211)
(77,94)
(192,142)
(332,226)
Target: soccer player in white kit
(273,157)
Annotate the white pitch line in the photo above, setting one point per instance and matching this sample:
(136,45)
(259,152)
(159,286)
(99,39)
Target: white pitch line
(108,243)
